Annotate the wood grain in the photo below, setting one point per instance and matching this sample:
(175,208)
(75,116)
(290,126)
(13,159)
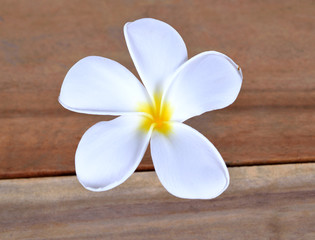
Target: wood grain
(262,202)
(271,121)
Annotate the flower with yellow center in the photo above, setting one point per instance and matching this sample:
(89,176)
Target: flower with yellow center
(175,89)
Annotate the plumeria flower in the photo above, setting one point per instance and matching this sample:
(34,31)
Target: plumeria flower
(174,89)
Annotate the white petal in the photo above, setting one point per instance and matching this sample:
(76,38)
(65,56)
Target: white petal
(109,152)
(206,82)
(187,164)
(98,85)
(157,50)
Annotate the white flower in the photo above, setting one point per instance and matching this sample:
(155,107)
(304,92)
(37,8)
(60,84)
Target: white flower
(176,89)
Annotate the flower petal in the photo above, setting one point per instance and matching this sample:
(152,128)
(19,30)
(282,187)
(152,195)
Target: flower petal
(187,164)
(98,85)
(157,50)
(206,82)
(109,152)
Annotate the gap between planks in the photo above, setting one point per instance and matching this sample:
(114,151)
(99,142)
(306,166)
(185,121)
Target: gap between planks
(262,202)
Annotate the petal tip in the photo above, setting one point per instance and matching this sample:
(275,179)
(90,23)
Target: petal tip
(60,101)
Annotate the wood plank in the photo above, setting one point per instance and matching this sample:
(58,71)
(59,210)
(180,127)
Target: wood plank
(262,202)
(272,41)
(47,147)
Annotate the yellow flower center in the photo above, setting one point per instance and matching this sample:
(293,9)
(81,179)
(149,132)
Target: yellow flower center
(158,114)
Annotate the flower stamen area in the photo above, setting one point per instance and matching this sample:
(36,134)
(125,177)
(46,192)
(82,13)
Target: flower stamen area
(158,114)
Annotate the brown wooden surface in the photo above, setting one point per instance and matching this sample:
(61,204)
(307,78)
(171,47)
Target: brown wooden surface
(273,41)
(262,202)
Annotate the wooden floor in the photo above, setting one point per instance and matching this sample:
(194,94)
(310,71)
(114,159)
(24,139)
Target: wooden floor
(267,137)
(263,202)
